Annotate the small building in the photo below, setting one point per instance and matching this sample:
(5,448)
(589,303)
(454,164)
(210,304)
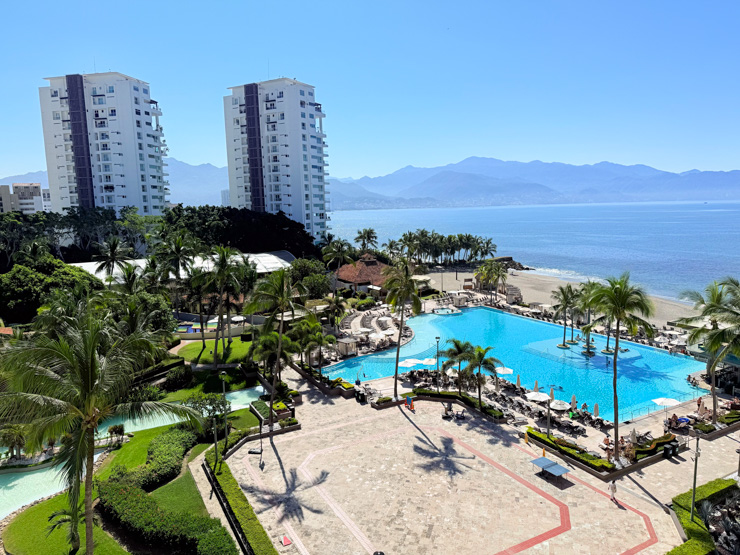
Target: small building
(347,346)
(362,274)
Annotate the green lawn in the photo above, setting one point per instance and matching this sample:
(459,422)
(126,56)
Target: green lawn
(243,419)
(208,381)
(194,352)
(197,450)
(181,495)
(133,453)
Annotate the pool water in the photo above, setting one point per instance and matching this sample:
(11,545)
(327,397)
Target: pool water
(529,347)
(20,488)
(444,311)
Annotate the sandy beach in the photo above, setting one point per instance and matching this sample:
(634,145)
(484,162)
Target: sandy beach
(537,288)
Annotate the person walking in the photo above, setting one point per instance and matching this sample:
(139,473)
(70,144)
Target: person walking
(613,490)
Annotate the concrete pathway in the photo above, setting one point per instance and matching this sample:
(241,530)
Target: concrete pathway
(207,493)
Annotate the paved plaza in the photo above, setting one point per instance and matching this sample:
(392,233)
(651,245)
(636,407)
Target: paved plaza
(357,480)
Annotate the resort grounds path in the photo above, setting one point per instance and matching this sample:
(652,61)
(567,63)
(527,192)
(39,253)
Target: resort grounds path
(357,480)
(207,493)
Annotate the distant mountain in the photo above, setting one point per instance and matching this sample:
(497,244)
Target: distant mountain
(196,185)
(32,177)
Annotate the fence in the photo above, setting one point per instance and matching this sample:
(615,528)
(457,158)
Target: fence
(632,413)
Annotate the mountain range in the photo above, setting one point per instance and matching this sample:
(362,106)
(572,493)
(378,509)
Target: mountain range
(474,181)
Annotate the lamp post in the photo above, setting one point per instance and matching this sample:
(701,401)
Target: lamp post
(226,423)
(441,270)
(696,467)
(215,444)
(439,377)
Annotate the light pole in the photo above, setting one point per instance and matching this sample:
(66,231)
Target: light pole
(441,270)
(696,467)
(215,443)
(226,423)
(439,377)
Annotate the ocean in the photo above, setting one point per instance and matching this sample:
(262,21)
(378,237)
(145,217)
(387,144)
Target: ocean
(666,247)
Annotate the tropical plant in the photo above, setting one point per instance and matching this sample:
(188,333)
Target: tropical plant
(587,304)
(319,341)
(277,295)
(457,353)
(266,351)
(13,436)
(69,518)
(113,255)
(176,254)
(335,307)
(71,384)
(337,253)
(565,298)
(301,333)
(479,359)
(401,289)
(720,304)
(367,238)
(200,298)
(626,304)
(223,277)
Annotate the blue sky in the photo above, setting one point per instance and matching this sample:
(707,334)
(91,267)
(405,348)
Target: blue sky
(406,82)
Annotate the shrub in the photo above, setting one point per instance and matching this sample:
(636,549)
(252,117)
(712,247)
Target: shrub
(262,408)
(172,341)
(700,540)
(382,400)
(365,304)
(573,450)
(279,406)
(144,393)
(652,449)
(179,377)
(250,525)
(730,418)
(293,393)
(285,422)
(346,293)
(704,427)
(469,400)
(141,515)
(362,295)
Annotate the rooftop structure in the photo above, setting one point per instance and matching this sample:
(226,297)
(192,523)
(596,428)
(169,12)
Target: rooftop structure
(363,273)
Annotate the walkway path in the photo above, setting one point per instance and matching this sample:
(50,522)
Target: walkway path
(356,480)
(207,493)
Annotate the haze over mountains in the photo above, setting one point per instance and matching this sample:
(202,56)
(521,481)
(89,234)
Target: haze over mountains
(474,182)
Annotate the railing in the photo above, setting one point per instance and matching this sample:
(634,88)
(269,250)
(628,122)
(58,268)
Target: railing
(236,528)
(649,409)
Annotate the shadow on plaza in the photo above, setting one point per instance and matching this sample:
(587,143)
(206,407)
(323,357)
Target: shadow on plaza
(443,458)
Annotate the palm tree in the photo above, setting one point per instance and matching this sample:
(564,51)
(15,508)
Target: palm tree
(200,298)
(717,304)
(499,275)
(267,350)
(586,304)
(392,248)
(337,252)
(565,299)
(130,281)
(622,303)
(335,308)
(278,296)
(13,436)
(457,353)
(72,383)
(401,289)
(367,238)
(113,254)
(301,333)
(483,273)
(176,254)
(479,359)
(70,517)
(223,276)
(318,341)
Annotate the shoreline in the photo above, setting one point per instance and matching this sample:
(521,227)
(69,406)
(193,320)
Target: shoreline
(537,287)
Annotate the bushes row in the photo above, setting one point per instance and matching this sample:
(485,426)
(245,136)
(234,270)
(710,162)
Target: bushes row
(468,400)
(262,408)
(572,450)
(730,417)
(163,463)
(365,304)
(179,377)
(142,516)
(652,449)
(250,525)
(700,540)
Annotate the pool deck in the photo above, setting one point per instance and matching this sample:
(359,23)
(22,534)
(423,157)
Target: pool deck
(357,480)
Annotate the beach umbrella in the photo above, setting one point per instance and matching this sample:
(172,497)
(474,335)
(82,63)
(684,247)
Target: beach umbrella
(384,319)
(573,403)
(540,397)
(633,436)
(666,402)
(503,371)
(450,372)
(662,340)
(429,361)
(409,362)
(376,336)
(596,409)
(678,342)
(552,393)
(557,404)
(366,330)
(390,332)
(238,318)
(536,387)
(518,381)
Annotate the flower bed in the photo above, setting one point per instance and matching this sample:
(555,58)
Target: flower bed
(572,450)
(468,400)
(654,447)
(730,418)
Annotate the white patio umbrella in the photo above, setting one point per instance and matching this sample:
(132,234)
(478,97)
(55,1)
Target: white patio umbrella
(678,342)
(390,332)
(539,397)
(552,393)
(503,371)
(238,318)
(376,336)
(385,319)
(366,330)
(660,339)
(557,404)
(596,409)
(450,372)
(666,402)
(429,361)
(409,362)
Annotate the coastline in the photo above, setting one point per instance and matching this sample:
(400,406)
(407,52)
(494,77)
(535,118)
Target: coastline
(538,288)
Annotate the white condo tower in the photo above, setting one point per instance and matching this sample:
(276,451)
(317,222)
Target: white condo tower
(104,144)
(276,151)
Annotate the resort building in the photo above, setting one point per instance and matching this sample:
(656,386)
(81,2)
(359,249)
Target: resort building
(225,200)
(27,198)
(276,151)
(104,143)
(364,275)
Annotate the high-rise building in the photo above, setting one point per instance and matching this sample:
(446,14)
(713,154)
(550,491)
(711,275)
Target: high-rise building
(104,143)
(276,151)
(28,198)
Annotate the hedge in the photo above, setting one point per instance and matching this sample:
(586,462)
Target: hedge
(250,525)
(642,452)
(730,418)
(141,515)
(700,540)
(468,400)
(365,304)
(262,408)
(572,450)
(172,341)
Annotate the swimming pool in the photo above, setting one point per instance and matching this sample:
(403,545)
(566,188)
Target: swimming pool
(529,347)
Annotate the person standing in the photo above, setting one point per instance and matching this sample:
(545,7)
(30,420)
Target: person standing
(613,490)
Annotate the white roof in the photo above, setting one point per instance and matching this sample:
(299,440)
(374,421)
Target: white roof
(266,263)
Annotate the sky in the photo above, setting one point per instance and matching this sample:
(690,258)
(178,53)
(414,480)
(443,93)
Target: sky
(408,82)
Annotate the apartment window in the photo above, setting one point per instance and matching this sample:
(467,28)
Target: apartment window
(104,146)
(146,209)
(136,88)
(305,178)
(303,115)
(273,138)
(273,148)
(104,136)
(143,198)
(307,197)
(97,100)
(303,93)
(105,157)
(234,100)
(305,149)
(237,121)
(310,116)
(106,167)
(138,123)
(146,113)
(141,146)
(138,112)
(275,168)
(141,157)
(281,116)
(112,112)
(305,158)
(136,100)
(111,89)
(280,94)
(310,93)
(107,179)
(141,167)
(303,125)
(101,123)
(145,90)
(143,177)
(303,137)
(55,93)
(57,115)
(138,135)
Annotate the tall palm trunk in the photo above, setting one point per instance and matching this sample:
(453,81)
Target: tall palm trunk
(565,328)
(459,378)
(219,322)
(616,398)
(398,354)
(276,370)
(608,334)
(202,330)
(228,324)
(571,326)
(713,377)
(588,335)
(480,399)
(89,545)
